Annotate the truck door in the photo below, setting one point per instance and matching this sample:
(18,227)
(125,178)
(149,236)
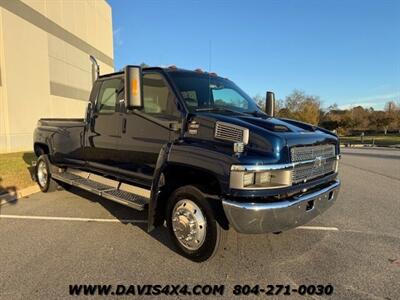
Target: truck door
(145,131)
(103,132)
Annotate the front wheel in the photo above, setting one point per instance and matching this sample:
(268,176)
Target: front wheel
(192,224)
(43,175)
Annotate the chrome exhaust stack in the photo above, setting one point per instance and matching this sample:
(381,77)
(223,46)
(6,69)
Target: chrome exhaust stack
(95,68)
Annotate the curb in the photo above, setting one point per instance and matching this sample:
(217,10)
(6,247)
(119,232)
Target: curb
(352,146)
(369,146)
(15,195)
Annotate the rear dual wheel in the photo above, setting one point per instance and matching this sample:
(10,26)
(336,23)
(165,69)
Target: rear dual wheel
(192,224)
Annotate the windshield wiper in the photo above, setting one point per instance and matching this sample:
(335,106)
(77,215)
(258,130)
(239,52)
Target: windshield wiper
(219,109)
(257,113)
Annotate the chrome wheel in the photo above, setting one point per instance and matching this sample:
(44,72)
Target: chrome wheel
(42,174)
(189,224)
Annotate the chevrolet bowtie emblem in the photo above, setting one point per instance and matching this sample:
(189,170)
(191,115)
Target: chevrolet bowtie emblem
(318,161)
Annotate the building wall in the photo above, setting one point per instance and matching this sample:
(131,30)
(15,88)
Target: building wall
(44,62)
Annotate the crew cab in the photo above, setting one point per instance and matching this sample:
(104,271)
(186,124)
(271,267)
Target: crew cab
(195,152)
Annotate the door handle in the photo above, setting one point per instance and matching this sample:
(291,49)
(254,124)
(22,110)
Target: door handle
(124,125)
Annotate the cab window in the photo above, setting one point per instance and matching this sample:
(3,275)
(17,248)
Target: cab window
(108,95)
(158,99)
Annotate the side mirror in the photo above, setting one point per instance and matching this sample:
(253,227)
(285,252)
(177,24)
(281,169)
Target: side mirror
(133,87)
(270,104)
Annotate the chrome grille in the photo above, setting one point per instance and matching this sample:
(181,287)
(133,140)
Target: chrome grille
(310,171)
(230,132)
(323,162)
(312,152)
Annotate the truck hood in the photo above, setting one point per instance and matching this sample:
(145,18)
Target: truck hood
(269,137)
(295,133)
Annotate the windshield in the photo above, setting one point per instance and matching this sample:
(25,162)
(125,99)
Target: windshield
(202,92)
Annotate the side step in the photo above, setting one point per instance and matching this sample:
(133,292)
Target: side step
(122,193)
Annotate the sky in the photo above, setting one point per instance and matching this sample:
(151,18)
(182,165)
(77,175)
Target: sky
(345,52)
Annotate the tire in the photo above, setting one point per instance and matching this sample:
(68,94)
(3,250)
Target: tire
(190,215)
(43,174)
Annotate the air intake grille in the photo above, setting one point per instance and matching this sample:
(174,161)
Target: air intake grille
(230,132)
(324,162)
(312,152)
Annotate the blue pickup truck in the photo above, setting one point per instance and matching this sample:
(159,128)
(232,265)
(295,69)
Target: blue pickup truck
(194,151)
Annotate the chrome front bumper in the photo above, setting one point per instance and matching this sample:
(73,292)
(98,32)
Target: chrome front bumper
(282,215)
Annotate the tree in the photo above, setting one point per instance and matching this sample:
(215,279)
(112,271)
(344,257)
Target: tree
(334,106)
(307,108)
(302,107)
(391,106)
(381,120)
(337,119)
(260,100)
(393,112)
(329,124)
(285,113)
(328,119)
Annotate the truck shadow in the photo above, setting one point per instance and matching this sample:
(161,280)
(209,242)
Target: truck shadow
(7,195)
(127,216)
(29,158)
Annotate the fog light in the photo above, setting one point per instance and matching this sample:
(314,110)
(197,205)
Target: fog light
(248,179)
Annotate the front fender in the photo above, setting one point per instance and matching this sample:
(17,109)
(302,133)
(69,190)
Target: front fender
(156,184)
(213,160)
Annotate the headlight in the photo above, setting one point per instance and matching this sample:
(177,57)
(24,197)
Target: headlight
(260,179)
(253,177)
(263,177)
(248,179)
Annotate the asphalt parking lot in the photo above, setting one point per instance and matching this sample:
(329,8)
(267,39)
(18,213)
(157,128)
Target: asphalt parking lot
(355,246)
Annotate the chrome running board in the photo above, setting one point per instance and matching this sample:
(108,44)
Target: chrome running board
(125,194)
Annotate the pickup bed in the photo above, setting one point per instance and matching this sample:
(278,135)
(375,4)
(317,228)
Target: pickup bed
(196,152)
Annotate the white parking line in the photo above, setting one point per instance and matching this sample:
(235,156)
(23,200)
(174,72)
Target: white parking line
(71,219)
(318,228)
(126,221)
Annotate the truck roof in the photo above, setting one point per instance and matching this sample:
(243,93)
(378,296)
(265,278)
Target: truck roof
(165,69)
